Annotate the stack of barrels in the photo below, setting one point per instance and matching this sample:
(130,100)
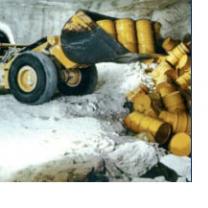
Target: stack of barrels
(137,36)
(175,66)
(165,113)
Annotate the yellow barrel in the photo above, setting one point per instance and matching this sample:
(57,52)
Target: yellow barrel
(142,103)
(165,88)
(176,53)
(141,89)
(168,44)
(174,102)
(161,69)
(184,80)
(151,112)
(145,36)
(172,59)
(126,34)
(184,64)
(180,144)
(108,26)
(145,124)
(138,122)
(161,58)
(133,120)
(171,118)
(184,122)
(162,78)
(180,121)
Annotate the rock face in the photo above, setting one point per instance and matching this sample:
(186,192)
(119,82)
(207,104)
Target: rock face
(64,170)
(40,18)
(128,162)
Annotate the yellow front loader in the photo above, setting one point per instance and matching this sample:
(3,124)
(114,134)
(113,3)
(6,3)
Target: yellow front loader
(33,73)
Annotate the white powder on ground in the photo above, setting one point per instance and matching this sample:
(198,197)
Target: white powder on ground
(75,125)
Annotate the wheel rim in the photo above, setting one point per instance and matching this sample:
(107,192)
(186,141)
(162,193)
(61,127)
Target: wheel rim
(27,79)
(73,77)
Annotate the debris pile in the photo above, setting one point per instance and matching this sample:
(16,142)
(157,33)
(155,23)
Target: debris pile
(163,112)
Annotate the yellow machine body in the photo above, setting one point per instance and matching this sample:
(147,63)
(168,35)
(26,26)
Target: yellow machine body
(55,50)
(88,38)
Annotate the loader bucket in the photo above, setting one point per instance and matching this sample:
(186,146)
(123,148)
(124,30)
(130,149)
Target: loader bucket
(84,42)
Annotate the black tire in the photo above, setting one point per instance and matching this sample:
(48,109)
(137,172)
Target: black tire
(46,78)
(87,85)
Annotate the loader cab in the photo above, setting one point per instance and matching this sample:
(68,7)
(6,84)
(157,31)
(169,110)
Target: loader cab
(3,39)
